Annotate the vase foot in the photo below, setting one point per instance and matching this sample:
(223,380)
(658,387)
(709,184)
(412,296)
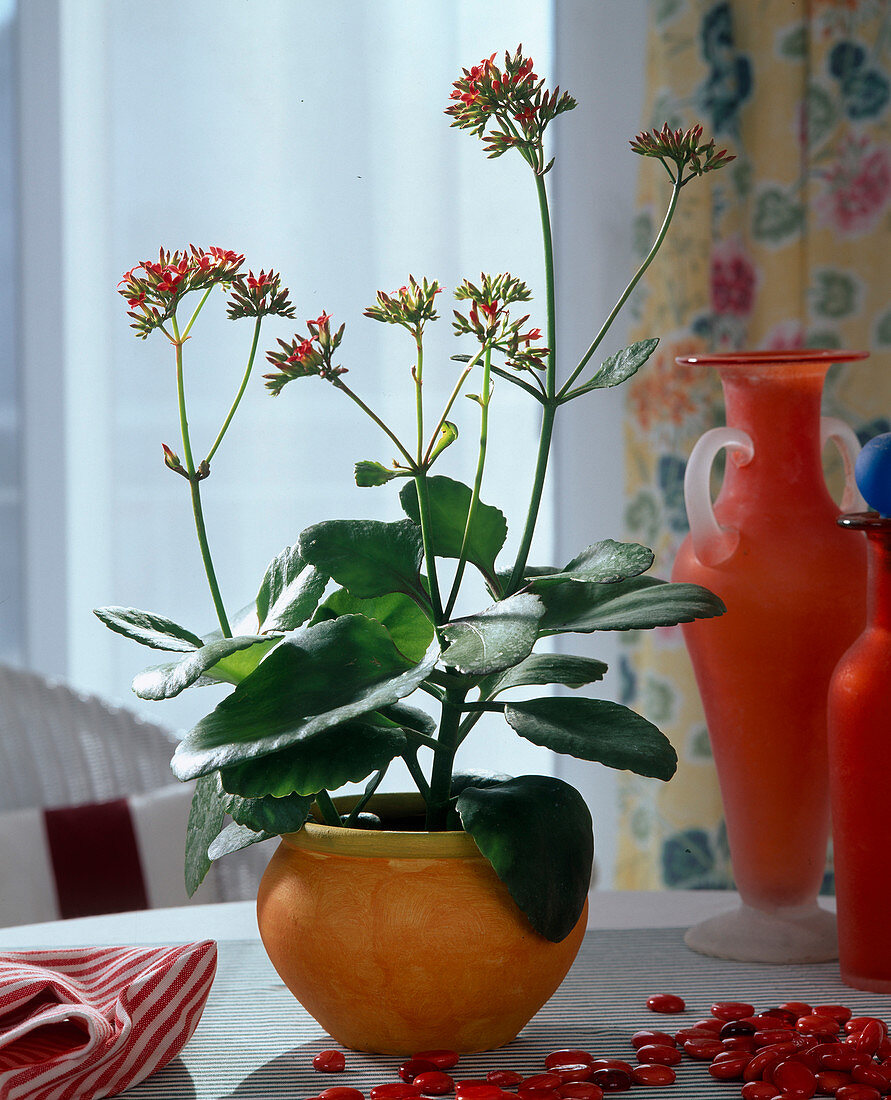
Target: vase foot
(797,934)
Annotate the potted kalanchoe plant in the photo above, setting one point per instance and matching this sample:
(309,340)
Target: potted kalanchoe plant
(358,615)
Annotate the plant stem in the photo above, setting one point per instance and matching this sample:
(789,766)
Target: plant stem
(604,328)
(549,410)
(417,774)
(239,395)
(194,486)
(485,398)
(371,413)
(443,762)
(451,401)
(429,558)
(327,809)
(198,309)
(419,397)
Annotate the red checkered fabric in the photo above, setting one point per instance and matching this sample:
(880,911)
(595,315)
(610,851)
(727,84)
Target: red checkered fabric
(83,1023)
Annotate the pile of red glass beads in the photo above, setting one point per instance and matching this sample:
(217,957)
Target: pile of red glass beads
(794,1051)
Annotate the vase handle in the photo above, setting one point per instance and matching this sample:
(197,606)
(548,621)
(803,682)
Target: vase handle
(844,437)
(712,543)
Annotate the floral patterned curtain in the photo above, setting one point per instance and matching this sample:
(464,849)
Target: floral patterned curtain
(790,246)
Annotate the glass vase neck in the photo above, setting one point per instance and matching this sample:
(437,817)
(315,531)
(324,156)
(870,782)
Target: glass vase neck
(878,586)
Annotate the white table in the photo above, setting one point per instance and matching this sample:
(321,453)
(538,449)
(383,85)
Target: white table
(255,1042)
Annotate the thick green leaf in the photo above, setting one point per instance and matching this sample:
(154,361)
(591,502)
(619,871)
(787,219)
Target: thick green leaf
(449,505)
(318,676)
(289,593)
(375,473)
(165,681)
(495,639)
(152,630)
(406,623)
(638,603)
(619,367)
(604,562)
(206,816)
(322,761)
(369,557)
(270,815)
(409,718)
(547,668)
(233,838)
(595,729)
(536,832)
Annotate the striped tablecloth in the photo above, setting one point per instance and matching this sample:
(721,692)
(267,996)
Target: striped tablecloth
(255,1042)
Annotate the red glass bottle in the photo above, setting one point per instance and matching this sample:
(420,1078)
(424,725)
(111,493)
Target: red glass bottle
(794,590)
(860,771)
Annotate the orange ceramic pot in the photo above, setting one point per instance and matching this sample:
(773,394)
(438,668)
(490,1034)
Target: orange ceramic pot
(397,942)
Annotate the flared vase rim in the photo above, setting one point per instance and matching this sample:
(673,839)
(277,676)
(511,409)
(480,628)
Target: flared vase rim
(787,357)
(865,521)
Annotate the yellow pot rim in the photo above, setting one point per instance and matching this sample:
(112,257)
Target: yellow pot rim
(383,843)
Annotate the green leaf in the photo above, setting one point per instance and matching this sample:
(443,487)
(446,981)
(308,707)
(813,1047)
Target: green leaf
(495,639)
(206,816)
(289,593)
(375,473)
(618,368)
(406,623)
(270,815)
(152,630)
(369,557)
(595,729)
(316,677)
(235,837)
(322,761)
(166,681)
(605,562)
(638,603)
(409,718)
(449,505)
(536,832)
(546,668)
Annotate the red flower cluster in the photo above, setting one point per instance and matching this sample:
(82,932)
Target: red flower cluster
(684,148)
(306,356)
(495,328)
(410,306)
(154,288)
(258,296)
(515,98)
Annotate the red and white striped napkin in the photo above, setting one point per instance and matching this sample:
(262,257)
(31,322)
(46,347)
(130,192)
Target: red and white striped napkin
(80,1023)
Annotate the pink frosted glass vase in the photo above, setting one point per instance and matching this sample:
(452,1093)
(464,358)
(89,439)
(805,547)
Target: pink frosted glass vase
(793,584)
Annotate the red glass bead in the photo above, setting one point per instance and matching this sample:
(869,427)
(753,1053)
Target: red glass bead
(433,1082)
(843,1058)
(643,1038)
(762,1064)
(870,1036)
(739,1042)
(838,1012)
(613,1079)
(611,1063)
(580,1072)
(580,1090)
(567,1058)
(703,1050)
(541,1081)
(731,1010)
(341,1092)
(504,1078)
(653,1074)
(395,1090)
(666,1002)
(729,1068)
(759,1090)
(686,1033)
(857,1092)
(409,1070)
(815,1024)
(475,1090)
(329,1061)
(858,1023)
(442,1059)
(829,1081)
(871,1075)
(659,1054)
(793,1078)
(797,1009)
(536,1094)
(711,1024)
(769,1036)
